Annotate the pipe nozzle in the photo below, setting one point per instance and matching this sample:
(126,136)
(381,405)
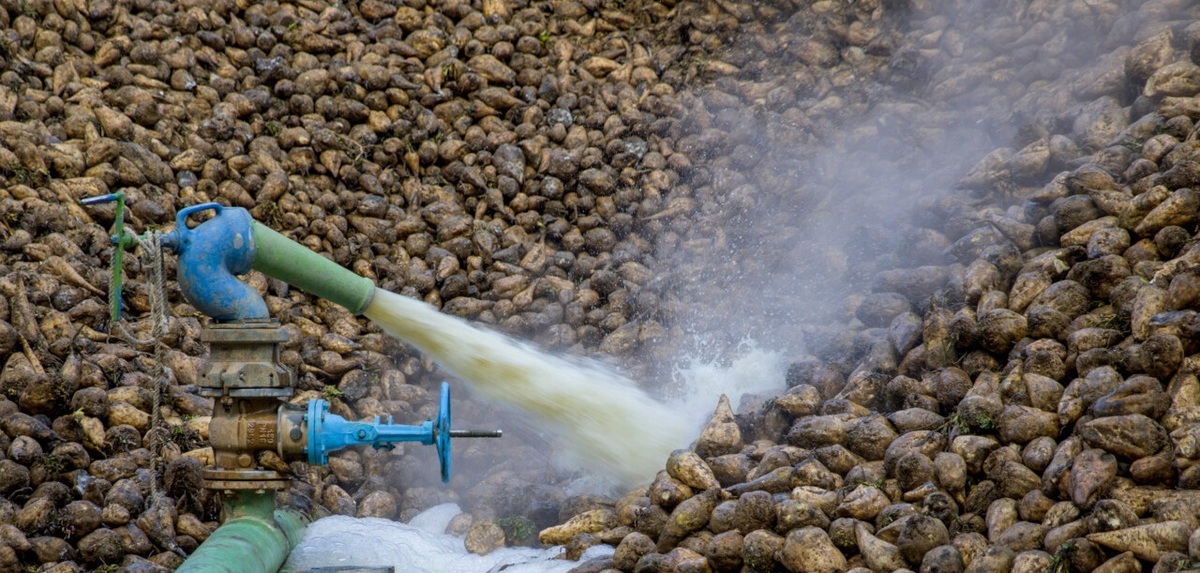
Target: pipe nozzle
(282,258)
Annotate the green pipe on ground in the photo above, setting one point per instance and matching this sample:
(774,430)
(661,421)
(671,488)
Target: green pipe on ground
(282,258)
(255,537)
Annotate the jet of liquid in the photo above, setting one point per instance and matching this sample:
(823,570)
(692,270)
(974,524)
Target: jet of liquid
(604,422)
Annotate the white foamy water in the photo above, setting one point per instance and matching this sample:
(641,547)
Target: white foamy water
(602,420)
(420,546)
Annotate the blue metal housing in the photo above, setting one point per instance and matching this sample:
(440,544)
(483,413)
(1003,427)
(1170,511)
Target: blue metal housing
(330,432)
(210,258)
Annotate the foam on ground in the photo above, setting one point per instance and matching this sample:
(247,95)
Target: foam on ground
(419,546)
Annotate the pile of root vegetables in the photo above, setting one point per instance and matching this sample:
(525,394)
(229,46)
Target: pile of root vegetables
(971,226)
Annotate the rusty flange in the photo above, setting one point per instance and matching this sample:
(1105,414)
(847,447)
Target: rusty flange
(239,480)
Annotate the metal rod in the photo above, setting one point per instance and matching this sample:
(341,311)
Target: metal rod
(476,433)
(118,262)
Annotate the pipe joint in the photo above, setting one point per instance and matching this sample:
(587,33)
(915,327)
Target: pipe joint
(210,258)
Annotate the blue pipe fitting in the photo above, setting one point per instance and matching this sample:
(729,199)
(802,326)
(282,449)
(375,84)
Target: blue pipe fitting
(330,432)
(210,258)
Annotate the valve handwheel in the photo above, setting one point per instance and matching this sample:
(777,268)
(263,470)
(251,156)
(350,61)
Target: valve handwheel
(441,432)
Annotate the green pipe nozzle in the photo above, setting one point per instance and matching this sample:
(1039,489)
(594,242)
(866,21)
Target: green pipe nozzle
(282,258)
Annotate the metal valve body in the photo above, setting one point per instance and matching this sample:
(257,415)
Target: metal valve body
(245,377)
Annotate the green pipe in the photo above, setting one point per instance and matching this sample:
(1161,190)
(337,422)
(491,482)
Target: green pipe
(255,538)
(279,257)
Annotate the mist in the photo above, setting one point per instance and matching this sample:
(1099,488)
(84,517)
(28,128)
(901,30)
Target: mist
(832,199)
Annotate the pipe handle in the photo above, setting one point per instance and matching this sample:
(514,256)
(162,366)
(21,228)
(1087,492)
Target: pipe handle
(184,213)
(175,239)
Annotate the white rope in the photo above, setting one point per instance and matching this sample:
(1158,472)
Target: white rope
(159,314)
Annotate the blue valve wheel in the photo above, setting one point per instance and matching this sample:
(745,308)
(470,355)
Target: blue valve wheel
(441,432)
(329,432)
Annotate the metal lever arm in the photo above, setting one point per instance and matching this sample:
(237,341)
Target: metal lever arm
(122,241)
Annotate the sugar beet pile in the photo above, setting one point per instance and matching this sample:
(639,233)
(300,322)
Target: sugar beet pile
(1004,377)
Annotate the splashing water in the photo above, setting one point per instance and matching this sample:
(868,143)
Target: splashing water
(419,546)
(701,380)
(605,422)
